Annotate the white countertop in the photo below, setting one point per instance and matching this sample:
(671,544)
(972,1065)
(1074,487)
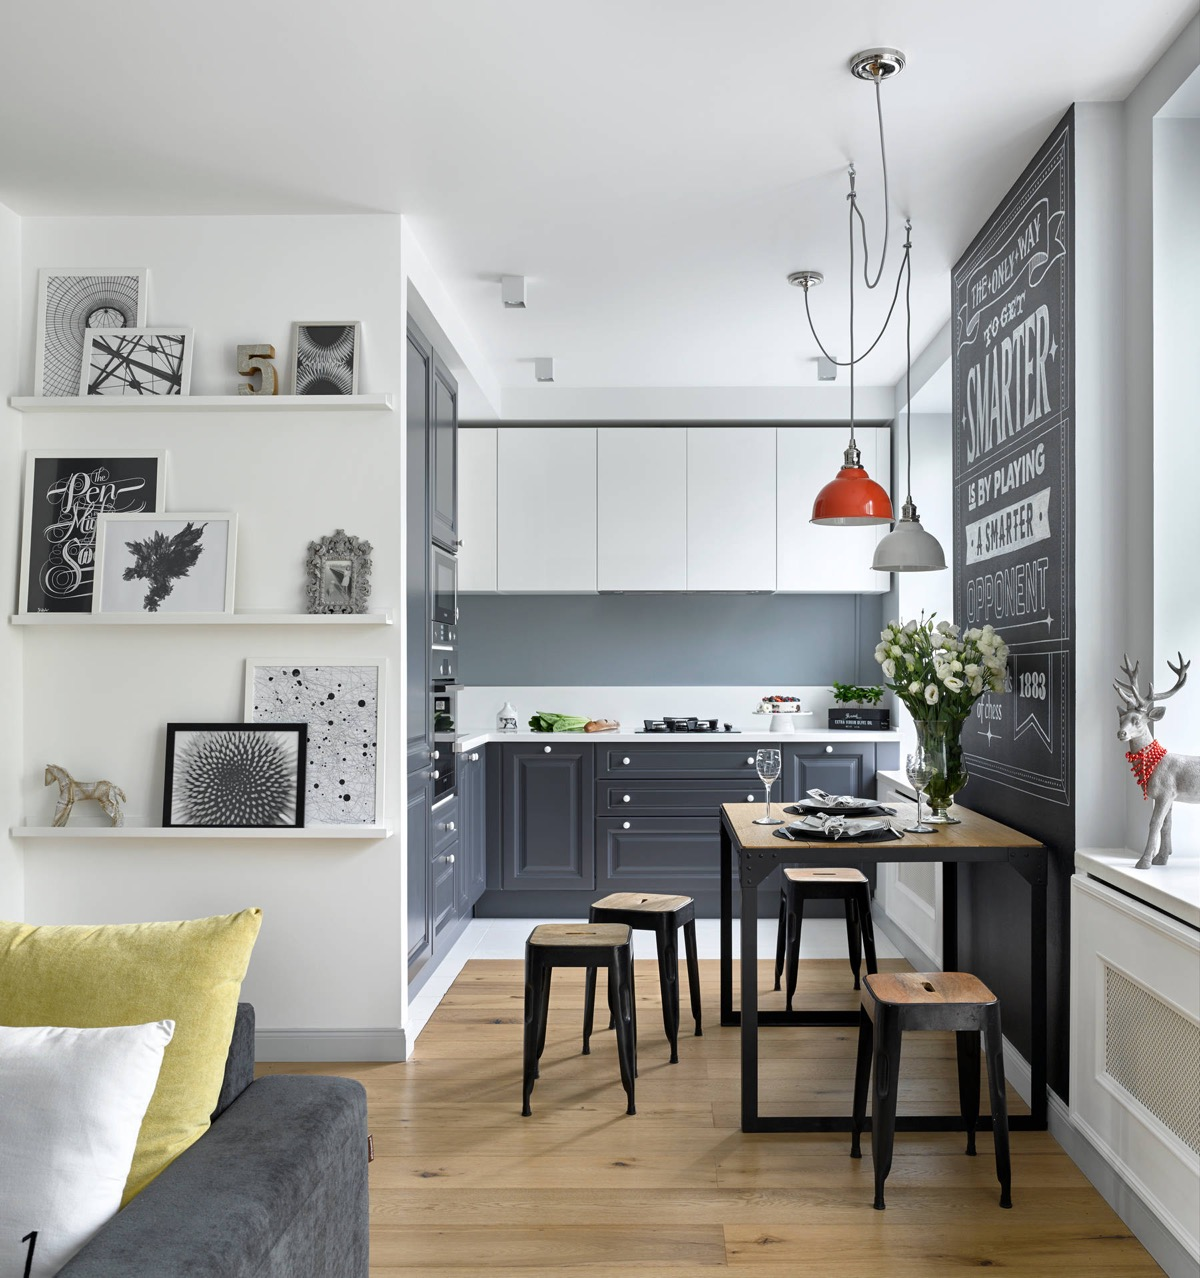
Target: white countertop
(751,736)
(1173,888)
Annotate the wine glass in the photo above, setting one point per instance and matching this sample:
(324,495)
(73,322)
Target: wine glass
(919,767)
(768,763)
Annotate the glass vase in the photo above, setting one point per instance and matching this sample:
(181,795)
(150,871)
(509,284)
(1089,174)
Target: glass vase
(941,739)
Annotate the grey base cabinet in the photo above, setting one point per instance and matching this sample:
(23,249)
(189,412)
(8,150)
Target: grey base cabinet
(578,822)
(548,817)
(471,777)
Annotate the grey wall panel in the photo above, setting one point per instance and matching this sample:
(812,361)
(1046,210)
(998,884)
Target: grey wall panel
(671,640)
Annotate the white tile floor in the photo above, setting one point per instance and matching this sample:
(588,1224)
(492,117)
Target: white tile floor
(505,939)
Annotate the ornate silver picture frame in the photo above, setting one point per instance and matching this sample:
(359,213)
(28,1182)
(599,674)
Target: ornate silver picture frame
(339,573)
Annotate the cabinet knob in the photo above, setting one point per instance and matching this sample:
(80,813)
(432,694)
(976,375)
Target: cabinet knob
(449,859)
(624,825)
(448,826)
(749,798)
(750,760)
(475,757)
(625,798)
(625,761)
(829,749)
(435,754)
(433,776)
(546,749)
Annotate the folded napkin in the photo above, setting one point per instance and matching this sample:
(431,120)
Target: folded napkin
(837,827)
(840,800)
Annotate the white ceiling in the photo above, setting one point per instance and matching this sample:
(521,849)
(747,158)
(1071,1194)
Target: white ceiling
(654,167)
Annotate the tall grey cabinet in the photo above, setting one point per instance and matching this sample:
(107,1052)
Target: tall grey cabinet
(431,495)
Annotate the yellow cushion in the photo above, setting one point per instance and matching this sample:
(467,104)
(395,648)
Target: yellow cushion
(130,974)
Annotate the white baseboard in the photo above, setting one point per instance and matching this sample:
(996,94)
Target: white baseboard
(1175,1257)
(329,1044)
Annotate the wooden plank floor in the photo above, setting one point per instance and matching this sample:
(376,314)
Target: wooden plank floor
(462,1186)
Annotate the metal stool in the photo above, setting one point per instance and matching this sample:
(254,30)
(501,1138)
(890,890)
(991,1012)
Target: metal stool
(896,1001)
(586,945)
(662,915)
(848,885)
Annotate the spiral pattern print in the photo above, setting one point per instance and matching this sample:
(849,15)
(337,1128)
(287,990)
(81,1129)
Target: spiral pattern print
(235,778)
(325,357)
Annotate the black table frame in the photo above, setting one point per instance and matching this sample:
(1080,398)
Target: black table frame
(754,864)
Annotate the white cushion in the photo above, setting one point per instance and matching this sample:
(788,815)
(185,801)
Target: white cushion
(71,1103)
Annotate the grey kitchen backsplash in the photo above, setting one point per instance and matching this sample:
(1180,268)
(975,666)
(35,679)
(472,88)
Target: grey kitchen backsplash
(701,639)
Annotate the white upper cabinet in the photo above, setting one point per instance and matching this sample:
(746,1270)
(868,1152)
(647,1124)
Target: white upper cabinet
(642,516)
(817,558)
(546,509)
(731,507)
(477,508)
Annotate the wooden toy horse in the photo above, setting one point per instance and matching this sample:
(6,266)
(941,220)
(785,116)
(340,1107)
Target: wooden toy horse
(108,796)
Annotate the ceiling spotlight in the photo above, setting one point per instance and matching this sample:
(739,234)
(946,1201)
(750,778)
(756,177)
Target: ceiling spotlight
(543,369)
(512,292)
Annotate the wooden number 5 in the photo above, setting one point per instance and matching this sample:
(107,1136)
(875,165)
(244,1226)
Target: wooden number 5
(257,359)
(31,1239)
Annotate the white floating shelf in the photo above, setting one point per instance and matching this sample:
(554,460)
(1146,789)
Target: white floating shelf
(201,619)
(199,403)
(198,832)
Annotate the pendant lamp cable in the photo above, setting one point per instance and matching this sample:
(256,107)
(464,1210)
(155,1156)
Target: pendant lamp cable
(872,283)
(908,350)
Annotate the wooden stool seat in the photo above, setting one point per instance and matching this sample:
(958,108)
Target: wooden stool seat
(908,988)
(579,934)
(896,1001)
(846,874)
(587,945)
(643,902)
(843,883)
(663,915)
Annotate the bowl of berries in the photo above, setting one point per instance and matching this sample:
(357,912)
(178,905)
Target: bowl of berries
(778,704)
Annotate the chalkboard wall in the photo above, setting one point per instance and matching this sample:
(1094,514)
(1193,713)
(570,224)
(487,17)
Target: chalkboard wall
(1014,440)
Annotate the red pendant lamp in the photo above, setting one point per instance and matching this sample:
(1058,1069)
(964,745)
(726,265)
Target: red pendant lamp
(852,496)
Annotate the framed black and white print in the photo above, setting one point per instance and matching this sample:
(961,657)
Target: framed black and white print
(165,563)
(65,494)
(343,707)
(325,357)
(136,361)
(235,775)
(70,301)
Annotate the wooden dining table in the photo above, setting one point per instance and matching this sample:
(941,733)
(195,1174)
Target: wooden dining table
(755,850)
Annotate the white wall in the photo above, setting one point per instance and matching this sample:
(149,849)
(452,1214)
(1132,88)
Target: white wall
(331,952)
(12,886)
(1176,437)
(1102,521)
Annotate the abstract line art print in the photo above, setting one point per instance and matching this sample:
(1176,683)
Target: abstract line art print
(136,361)
(173,562)
(65,495)
(69,303)
(343,708)
(325,358)
(233,774)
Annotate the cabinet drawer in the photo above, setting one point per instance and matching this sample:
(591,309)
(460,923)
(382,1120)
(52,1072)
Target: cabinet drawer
(667,798)
(654,854)
(684,761)
(443,821)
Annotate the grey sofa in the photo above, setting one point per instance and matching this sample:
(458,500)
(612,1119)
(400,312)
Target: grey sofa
(276,1187)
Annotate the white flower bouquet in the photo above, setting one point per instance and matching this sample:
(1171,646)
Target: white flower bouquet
(939,673)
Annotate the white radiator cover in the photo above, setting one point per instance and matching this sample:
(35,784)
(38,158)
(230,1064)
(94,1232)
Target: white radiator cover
(1135,1048)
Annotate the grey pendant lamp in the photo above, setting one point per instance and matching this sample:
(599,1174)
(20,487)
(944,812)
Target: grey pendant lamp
(908,547)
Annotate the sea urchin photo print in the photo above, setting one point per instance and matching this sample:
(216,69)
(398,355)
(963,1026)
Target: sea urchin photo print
(234,774)
(325,358)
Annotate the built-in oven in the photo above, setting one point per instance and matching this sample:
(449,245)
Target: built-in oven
(443,743)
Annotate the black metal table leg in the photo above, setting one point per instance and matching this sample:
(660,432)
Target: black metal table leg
(749,1007)
(949,916)
(727,1013)
(1038,1003)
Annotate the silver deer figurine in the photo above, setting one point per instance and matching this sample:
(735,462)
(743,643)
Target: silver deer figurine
(108,796)
(1163,777)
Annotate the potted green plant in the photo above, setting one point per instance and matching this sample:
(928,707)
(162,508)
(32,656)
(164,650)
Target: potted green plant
(858,708)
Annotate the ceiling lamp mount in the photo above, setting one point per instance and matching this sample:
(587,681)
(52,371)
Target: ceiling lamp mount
(877,64)
(805,279)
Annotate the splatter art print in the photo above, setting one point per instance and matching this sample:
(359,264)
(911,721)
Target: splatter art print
(343,707)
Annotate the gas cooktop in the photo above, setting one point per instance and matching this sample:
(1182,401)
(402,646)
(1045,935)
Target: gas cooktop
(688,724)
